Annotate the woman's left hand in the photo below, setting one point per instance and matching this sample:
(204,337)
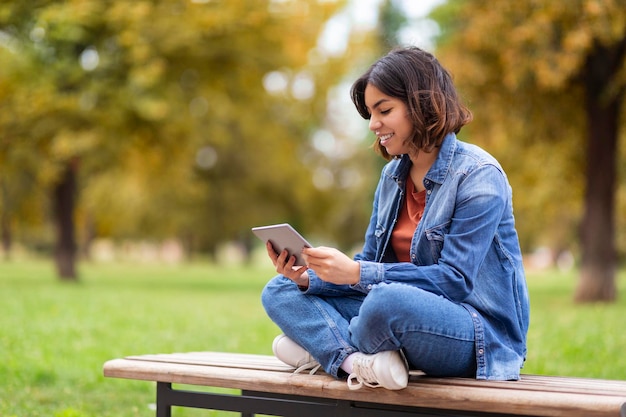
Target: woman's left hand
(333,266)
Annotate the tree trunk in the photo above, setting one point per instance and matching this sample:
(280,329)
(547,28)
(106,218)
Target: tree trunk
(64,201)
(5,222)
(602,105)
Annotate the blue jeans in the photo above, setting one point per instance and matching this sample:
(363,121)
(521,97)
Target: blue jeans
(435,334)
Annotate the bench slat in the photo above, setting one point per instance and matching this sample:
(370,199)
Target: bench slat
(533,395)
(221,359)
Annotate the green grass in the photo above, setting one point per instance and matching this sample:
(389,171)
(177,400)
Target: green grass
(54,337)
(572,339)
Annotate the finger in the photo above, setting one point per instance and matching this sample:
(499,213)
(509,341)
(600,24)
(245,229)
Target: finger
(291,261)
(292,271)
(299,270)
(283,265)
(270,250)
(320,252)
(282,257)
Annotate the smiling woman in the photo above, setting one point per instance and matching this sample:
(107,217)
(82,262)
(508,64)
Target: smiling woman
(439,285)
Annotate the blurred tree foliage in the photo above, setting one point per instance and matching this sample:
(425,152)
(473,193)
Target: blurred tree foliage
(173,118)
(547,82)
(390,22)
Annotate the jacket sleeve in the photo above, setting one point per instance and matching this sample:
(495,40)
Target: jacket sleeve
(319,287)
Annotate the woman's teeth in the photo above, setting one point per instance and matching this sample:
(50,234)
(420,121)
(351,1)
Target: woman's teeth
(385,138)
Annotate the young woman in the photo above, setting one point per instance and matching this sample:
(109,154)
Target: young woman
(439,285)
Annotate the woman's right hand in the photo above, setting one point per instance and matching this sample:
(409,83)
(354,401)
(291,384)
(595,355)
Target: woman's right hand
(284,265)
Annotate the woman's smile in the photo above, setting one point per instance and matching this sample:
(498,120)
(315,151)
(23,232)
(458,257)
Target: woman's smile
(384,139)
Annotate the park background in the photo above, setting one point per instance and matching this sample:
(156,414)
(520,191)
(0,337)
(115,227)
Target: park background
(141,140)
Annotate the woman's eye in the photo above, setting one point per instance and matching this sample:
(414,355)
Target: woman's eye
(385,111)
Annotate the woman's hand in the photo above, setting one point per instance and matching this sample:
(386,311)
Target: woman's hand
(285,266)
(331,265)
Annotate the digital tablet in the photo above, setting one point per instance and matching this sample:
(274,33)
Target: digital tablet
(283,236)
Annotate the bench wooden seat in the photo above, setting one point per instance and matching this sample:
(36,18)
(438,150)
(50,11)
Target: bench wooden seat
(270,387)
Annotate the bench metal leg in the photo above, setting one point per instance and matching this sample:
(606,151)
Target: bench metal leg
(250,403)
(164,408)
(167,397)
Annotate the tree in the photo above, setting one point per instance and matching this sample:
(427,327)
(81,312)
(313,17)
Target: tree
(390,22)
(548,82)
(116,101)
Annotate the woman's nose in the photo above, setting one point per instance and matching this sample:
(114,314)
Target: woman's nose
(374,123)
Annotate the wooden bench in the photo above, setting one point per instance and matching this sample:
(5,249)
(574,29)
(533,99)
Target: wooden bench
(264,385)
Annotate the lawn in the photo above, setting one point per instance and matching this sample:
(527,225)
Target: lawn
(54,337)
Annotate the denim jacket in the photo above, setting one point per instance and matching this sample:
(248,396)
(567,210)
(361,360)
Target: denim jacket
(465,248)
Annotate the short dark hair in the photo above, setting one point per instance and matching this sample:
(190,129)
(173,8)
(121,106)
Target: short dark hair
(417,78)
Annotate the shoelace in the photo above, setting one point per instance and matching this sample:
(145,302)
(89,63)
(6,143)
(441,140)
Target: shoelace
(313,364)
(363,373)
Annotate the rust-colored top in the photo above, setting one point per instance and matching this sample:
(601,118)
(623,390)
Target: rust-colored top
(410,215)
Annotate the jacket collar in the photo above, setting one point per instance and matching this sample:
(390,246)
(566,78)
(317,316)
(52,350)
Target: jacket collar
(441,167)
(437,172)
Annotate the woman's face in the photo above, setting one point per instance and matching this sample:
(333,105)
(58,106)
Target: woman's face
(389,120)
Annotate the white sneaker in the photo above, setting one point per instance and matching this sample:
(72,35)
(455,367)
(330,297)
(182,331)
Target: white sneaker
(294,355)
(387,369)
